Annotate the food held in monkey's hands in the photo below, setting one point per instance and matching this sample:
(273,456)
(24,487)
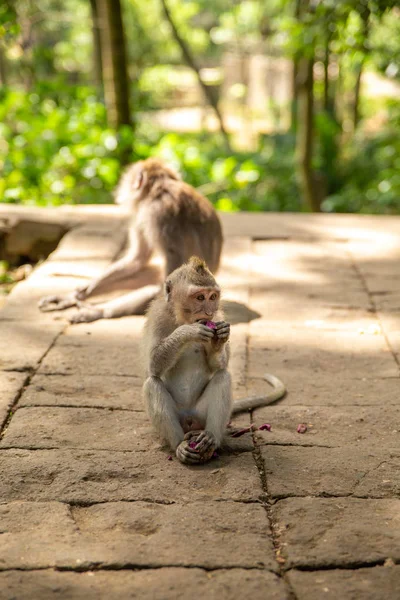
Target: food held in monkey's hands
(210,324)
(192,442)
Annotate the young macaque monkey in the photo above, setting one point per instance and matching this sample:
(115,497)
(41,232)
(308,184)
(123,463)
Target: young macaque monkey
(186,347)
(168,216)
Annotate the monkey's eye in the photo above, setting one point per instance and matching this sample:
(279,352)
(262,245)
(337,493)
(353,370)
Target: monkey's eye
(213,297)
(201,297)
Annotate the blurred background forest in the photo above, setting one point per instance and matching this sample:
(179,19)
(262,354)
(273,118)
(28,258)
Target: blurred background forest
(284,105)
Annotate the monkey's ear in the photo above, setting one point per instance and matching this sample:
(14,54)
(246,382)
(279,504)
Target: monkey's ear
(168,289)
(140,179)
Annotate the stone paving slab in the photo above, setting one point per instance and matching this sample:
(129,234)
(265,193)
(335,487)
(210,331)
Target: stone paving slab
(328,532)
(294,471)
(23,300)
(78,243)
(377,583)
(122,534)
(10,386)
(308,390)
(85,391)
(93,359)
(321,311)
(82,476)
(148,584)
(84,428)
(88,428)
(83,270)
(24,343)
(363,427)
(320,353)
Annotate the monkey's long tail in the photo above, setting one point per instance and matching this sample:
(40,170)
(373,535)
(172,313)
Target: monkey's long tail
(251,402)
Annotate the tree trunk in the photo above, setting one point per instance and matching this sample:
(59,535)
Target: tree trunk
(295,73)
(305,134)
(115,73)
(326,101)
(97,60)
(356,99)
(191,62)
(308,180)
(294,107)
(3,70)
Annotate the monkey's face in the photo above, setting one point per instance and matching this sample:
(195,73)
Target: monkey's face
(199,304)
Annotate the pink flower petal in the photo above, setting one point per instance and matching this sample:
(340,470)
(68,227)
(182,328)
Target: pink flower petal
(241,432)
(265,427)
(211,325)
(301,428)
(169,457)
(192,445)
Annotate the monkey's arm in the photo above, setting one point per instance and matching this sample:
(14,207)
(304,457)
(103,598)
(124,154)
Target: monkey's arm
(218,351)
(165,353)
(251,402)
(137,256)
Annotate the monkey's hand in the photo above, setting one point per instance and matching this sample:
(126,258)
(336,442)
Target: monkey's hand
(222,331)
(50,303)
(197,332)
(206,444)
(186,452)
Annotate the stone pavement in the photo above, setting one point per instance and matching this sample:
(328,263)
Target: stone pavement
(91,507)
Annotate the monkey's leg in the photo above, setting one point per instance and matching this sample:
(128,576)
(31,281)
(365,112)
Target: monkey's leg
(133,303)
(163,413)
(136,258)
(215,406)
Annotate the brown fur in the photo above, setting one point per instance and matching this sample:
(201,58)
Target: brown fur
(168,216)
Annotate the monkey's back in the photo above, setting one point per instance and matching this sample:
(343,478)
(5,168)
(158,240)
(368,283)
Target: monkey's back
(184,215)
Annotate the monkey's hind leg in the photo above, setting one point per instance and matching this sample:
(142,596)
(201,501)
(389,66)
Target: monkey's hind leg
(134,303)
(214,406)
(162,410)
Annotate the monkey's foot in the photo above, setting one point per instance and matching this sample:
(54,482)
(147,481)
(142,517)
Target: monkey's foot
(87,315)
(50,303)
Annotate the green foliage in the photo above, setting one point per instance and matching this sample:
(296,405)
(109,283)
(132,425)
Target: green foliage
(370,173)
(5,276)
(55,147)
(252,181)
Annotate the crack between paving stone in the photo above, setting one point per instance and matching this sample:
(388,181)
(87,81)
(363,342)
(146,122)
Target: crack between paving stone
(81,448)
(266,500)
(87,504)
(267,504)
(350,566)
(357,483)
(85,406)
(374,309)
(98,566)
(12,405)
(64,374)
(263,444)
(32,371)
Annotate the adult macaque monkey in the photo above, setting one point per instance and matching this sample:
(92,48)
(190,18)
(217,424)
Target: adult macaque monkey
(188,387)
(168,216)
